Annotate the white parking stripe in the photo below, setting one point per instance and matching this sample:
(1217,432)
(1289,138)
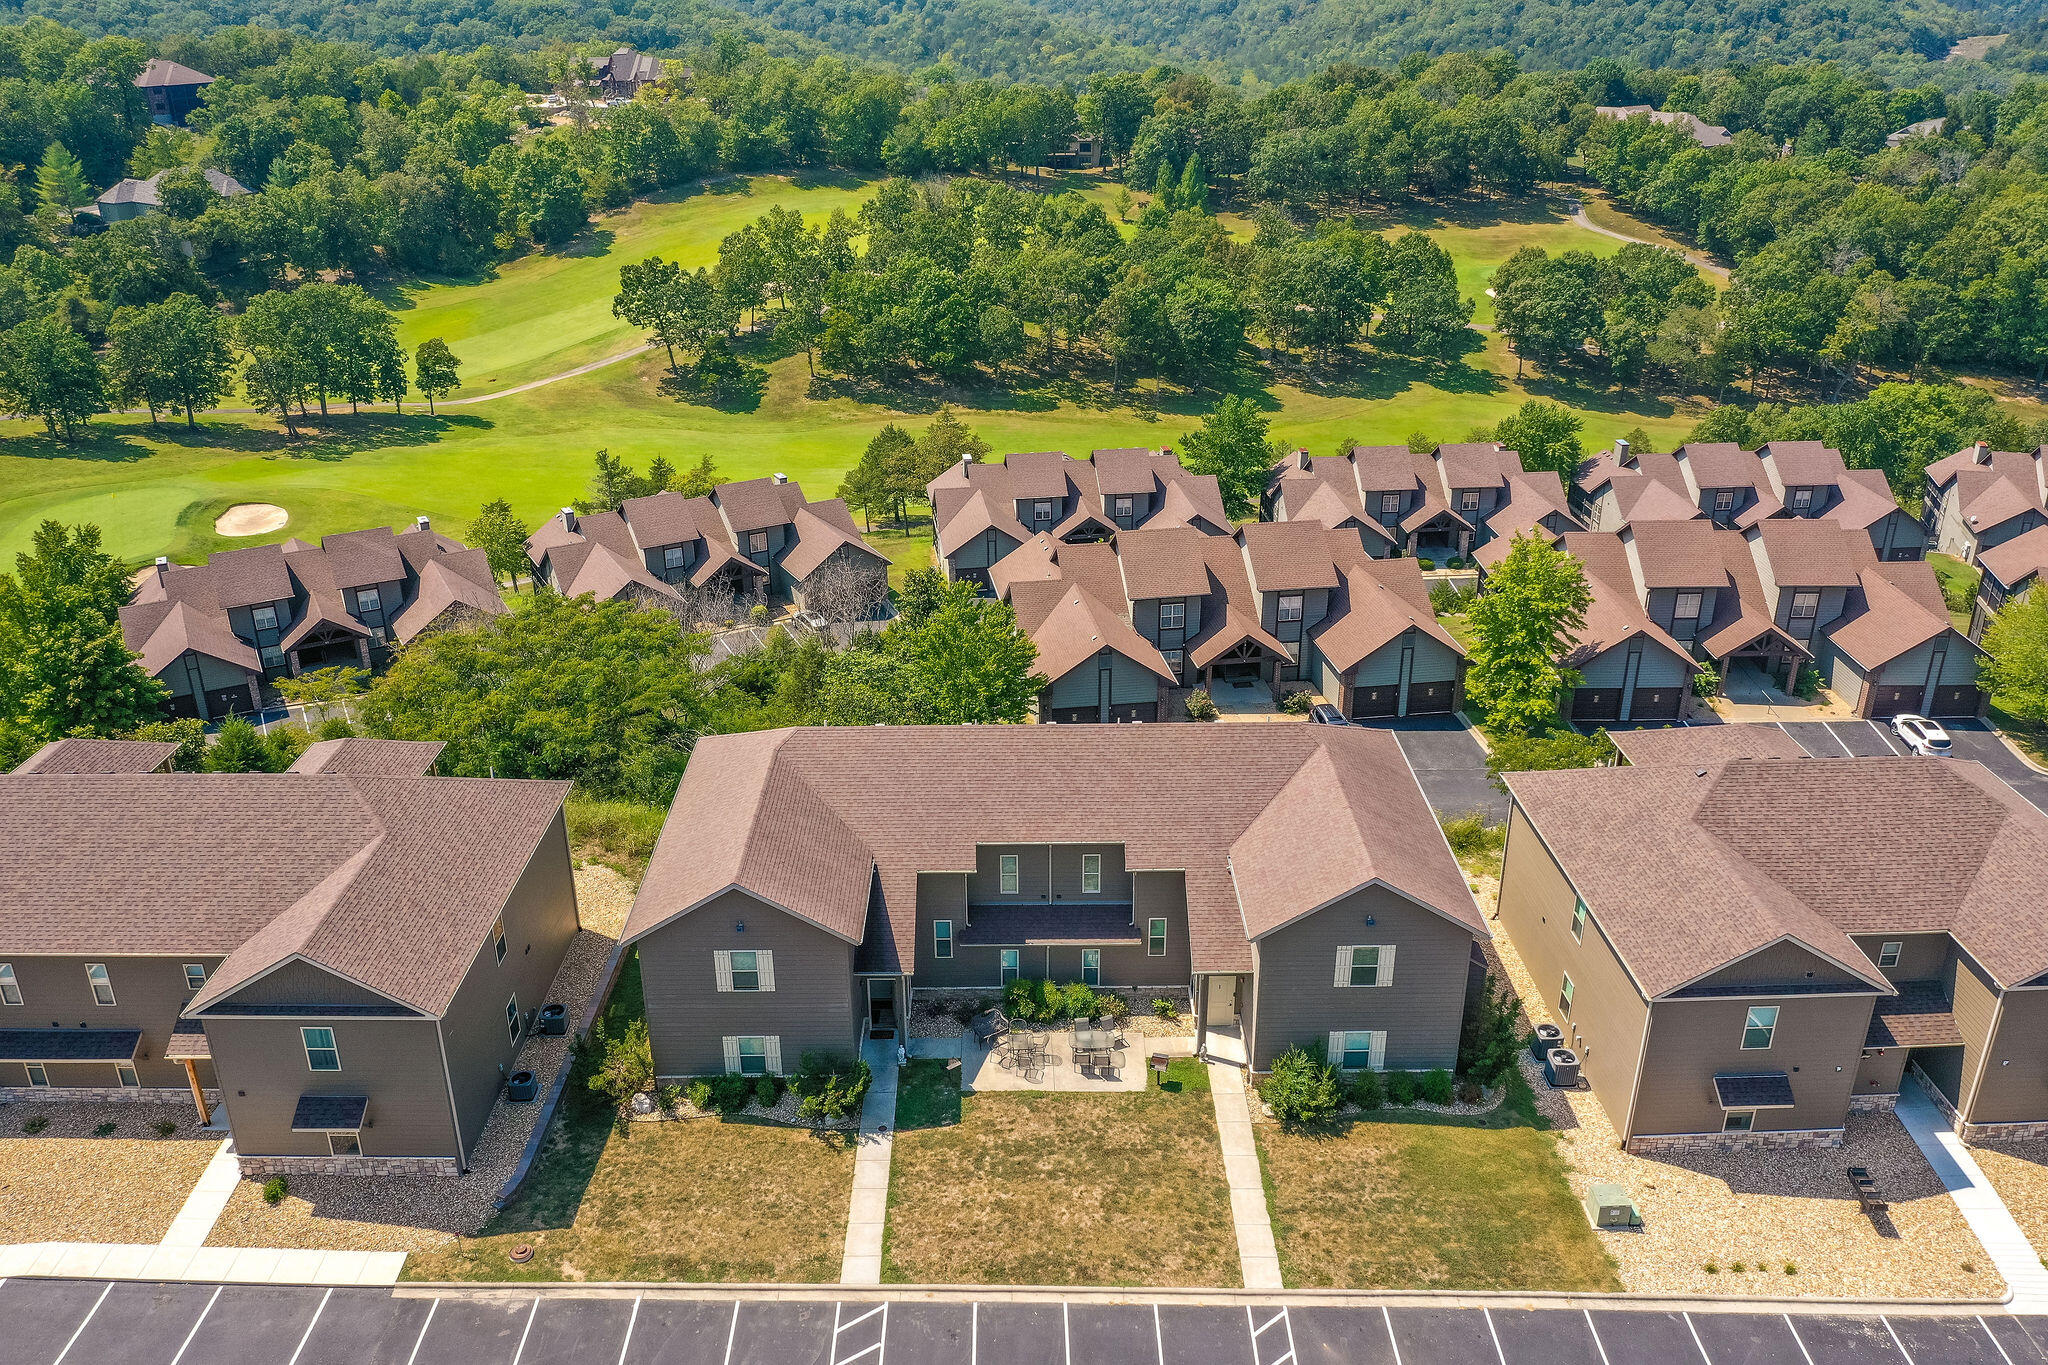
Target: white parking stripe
(432,1309)
(323,1308)
(1696,1338)
(1882,736)
(1066,1336)
(1390,1334)
(974,1337)
(1488,1312)
(1895,1338)
(1804,1353)
(1159,1336)
(1598,1345)
(1847,752)
(631,1322)
(82,1322)
(1994,1340)
(732,1331)
(531,1314)
(195,1325)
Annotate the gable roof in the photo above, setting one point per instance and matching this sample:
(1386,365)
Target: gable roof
(369,757)
(818,532)
(1694,745)
(974,496)
(1287,556)
(159,71)
(80,755)
(1378,600)
(1811,553)
(1077,625)
(2015,561)
(1891,614)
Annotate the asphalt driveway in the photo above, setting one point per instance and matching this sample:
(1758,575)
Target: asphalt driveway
(1450,764)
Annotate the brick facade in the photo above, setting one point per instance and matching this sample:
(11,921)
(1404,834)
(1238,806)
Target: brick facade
(1873,1104)
(373,1166)
(1791,1140)
(103,1094)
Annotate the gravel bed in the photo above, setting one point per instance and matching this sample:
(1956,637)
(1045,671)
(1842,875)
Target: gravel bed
(413,1213)
(934,1018)
(2019,1172)
(786,1110)
(65,1185)
(1766,1208)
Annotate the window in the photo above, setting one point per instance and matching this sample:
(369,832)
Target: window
(10,989)
(746,974)
(1390,504)
(1290,607)
(1120,507)
(1010,965)
(343,1144)
(1802,499)
(1564,997)
(1579,913)
(1759,1026)
(512,1021)
(744,971)
(1365,966)
(1687,607)
(1173,615)
(263,618)
(1359,1050)
(195,975)
(321,1053)
(1468,500)
(1091,873)
(942,938)
(1041,511)
(1091,966)
(272,656)
(498,938)
(1173,660)
(367,599)
(1724,500)
(1738,1121)
(1888,954)
(102,984)
(672,557)
(1805,604)
(757,542)
(753,1056)
(1155,938)
(125,1074)
(37,1076)
(1006,873)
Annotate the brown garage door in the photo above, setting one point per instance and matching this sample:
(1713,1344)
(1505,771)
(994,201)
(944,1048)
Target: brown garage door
(1655,703)
(224,701)
(1372,703)
(1891,699)
(1070,715)
(1957,701)
(1596,703)
(1429,699)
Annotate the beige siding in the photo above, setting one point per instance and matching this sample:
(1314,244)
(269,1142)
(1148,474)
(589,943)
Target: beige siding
(1922,957)
(1780,965)
(149,992)
(300,983)
(396,1063)
(1818,1044)
(1880,1070)
(1609,1015)
(1975,1002)
(2014,1084)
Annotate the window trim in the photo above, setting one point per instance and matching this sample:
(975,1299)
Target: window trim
(760,1039)
(513,1023)
(1381,966)
(1091,966)
(1155,938)
(1091,871)
(1769,1030)
(1390,504)
(1738,1121)
(192,970)
(1009,965)
(1121,505)
(124,1075)
(1890,951)
(1688,597)
(498,939)
(1282,608)
(733,969)
(1175,660)
(1801,500)
(1808,598)
(332,1045)
(757,542)
(1009,875)
(1565,993)
(942,940)
(36,1069)
(1468,500)
(1581,912)
(10,985)
(353,1137)
(1724,500)
(1345,1050)
(105,980)
(1178,606)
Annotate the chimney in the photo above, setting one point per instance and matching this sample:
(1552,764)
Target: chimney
(163,568)
(568,518)
(1167,451)
(782,478)
(1302,459)
(967,458)
(421,523)
(1983,452)
(1621,450)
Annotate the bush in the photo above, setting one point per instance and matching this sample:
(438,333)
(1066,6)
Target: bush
(1547,753)
(1112,1006)
(1490,1038)
(104,1129)
(1470,1091)
(1297,702)
(1301,1089)
(1706,682)
(164,1127)
(1437,1087)
(1200,705)
(1474,842)
(1166,1009)
(1365,1090)
(273,1190)
(698,1093)
(1031,999)
(830,1086)
(730,1092)
(1448,599)
(1807,684)
(1078,1001)
(1424,564)
(626,1067)
(767,1090)
(670,1096)
(36,1124)
(1400,1087)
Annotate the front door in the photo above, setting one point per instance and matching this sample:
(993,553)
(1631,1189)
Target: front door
(881,1005)
(1222,1009)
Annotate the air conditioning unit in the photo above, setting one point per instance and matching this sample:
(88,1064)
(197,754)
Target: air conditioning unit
(1548,1036)
(1608,1206)
(1561,1068)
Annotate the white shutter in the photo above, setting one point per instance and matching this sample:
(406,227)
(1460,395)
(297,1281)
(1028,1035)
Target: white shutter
(1376,1054)
(1336,1049)
(732,1051)
(721,963)
(1386,975)
(765,962)
(773,1047)
(1343,967)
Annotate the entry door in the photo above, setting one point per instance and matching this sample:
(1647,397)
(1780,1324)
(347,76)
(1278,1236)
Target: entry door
(1222,1010)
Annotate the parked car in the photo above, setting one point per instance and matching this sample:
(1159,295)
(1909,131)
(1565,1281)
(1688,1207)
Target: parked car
(810,620)
(1322,713)
(1921,736)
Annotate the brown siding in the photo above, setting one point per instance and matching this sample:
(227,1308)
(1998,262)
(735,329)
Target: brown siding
(148,994)
(300,983)
(1880,1069)
(1066,873)
(1818,1044)
(1157,895)
(688,1018)
(987,881)
(1421,1011)
(1609,1015)
(943,895)
(2014,1086)
(395,1062)
(1781,964)
(1975,1001)
(1153,895)
(1922,957)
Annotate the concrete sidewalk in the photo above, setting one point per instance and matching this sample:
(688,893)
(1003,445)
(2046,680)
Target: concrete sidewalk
(868,1210)
(194,1223)
(1982,1209)
(1257,1255)
(230,1265)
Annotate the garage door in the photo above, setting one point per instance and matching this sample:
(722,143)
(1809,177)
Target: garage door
(1655,703)
(1069,715)
(226,701)
(1957,701)
(1372,703)
(1596,703)
(1890,699)
(1429,699)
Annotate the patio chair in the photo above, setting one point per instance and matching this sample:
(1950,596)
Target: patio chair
(991,1027)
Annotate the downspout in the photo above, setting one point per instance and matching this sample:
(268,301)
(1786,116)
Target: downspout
(454,1114)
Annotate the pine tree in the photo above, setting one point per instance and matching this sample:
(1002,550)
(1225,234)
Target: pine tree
(1194,186)
(1162,188)
(60,180)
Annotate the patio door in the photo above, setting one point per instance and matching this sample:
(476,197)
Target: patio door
(1221,1011)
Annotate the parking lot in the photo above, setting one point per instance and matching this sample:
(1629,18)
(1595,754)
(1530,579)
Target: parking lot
(1968,739)
(75,1322)
(1450,763)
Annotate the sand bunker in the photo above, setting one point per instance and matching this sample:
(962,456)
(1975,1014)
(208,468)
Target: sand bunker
(251,519)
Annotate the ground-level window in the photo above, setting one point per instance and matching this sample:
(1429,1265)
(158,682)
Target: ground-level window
(1759,1026)
(195,975)
(1564,997)
(1738,1121)
(102,984)
(754,1056)
(343,1144)
(1091,872)
(1359,1050)
(1888,954)
(37,1075)
(10,989)
(942,938)
(321,1054)
(126,1075)
(512,1020)
(1091,966)
(1155,938)
(1006,873)
(1010,965)
(1579,913)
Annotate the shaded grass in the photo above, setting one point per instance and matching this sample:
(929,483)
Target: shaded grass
(1957,580)
(1040,1188)
(927,1094)
(619,834)
(1185,1076)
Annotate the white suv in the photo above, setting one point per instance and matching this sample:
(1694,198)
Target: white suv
(1921,736)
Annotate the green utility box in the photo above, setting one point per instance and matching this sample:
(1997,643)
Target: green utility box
(1608,1206)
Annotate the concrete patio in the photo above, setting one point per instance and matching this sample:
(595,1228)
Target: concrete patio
(981,1069)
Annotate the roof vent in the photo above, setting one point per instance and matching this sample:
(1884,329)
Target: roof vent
(163,562)
(782,478)
(422,523)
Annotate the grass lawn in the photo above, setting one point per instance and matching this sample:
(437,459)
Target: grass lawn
(1412,1201)
(1041,1188)
(1955,574)
(701,1200)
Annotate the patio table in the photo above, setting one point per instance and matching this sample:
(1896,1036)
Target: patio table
(1094,1039)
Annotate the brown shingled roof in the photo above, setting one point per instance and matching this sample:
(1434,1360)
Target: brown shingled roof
(369,757)
(1812,553)
(1288,556)
(81,755)
(1697,745)
(2015,561)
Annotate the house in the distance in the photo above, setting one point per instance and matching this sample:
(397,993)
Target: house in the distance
(171,89)
(1300,890)
(621,75)
(712,557)
(217,633)
(1704,133)
(1745,950)
(983,510)
(348,958)
(132,198)
(1438,505)
(1980,497)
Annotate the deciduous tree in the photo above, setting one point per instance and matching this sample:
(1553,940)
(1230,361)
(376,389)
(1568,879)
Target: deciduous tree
(174,354)
(435,370)
(64,667)
(1232,445)
(501,535)
(1524,621)
(49,370)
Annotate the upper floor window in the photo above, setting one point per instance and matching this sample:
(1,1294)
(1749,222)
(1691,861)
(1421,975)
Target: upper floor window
(1091,872)
(102,984)
(263,617)
(1290,607)
(321,1053)
(10,989)
(1802,499)
(757,542)
(498,938)
(1365,966)
(1120,507)
(1759,1026)
(1888,954)
(1805,604)
(1687,607)
(744,971)
(195,975)
(273,657)
(942,938)
(1579,913)
(1390,504)
(1468,499)
(368,599)
(1724,500)
(672,557)
(1041,511)
(1155,938)
(1173,615)
(1006,874)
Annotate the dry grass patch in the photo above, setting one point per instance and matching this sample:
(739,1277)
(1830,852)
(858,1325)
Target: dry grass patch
(62,1184)
(1057,1189)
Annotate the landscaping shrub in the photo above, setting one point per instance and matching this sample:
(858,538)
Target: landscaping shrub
(1437,1087)
(1200,705)
(1400,1087)
(1470,1091)
(626,1065)
(767,1090)
(698,1093)
(730,1092)
(1302,1088)
(164,1127)
(1297,702)
(1365,1090)
(1547,753)
(1112,1006)
(670,1096)
(1447,599)
(1706,682)
(36,1124)
(1424,564)
(1032,1000)
(1807,684)
(1490,1038)
(1166,1009)
(830,1086)
(1475,844)
(273,1190)
(1077,1001)
(104,1129)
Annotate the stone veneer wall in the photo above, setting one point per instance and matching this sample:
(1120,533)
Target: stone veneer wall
(1873,1104)
(347,1165)
(2004,1132)
(1790,1140)
(103,1094)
